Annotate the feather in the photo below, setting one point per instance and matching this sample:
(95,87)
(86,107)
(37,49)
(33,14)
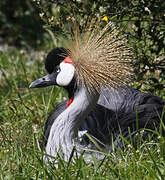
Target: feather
(101,56)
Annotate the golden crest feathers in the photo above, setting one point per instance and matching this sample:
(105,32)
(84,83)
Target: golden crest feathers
(101,57)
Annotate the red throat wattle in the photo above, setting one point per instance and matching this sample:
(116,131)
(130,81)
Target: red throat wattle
(69,101)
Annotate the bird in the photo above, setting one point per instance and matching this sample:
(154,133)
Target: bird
(101,106)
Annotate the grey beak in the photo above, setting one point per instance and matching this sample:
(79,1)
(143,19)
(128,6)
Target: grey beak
(47,80)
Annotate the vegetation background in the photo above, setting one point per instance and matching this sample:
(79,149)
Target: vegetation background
(26,29)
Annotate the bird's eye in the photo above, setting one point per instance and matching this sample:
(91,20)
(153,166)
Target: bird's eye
(58,70)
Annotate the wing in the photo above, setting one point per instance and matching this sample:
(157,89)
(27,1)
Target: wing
(55,113)
(118,110)
(135,112)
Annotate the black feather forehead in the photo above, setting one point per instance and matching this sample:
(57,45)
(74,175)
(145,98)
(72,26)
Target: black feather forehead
(54,58)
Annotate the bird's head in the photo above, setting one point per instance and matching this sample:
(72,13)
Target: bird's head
(97,58)
(60,69)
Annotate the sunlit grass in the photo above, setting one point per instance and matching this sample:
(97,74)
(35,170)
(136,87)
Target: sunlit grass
(23,113)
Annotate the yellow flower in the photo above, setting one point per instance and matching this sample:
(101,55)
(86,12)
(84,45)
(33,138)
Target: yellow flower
(51,19)
(105,18)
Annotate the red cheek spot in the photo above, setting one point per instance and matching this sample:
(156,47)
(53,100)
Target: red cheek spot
(68,60)
(69,101)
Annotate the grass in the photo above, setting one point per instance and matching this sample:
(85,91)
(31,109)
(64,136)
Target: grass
(22,116)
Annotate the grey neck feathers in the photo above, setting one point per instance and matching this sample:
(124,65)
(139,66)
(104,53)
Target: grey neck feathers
(64,131)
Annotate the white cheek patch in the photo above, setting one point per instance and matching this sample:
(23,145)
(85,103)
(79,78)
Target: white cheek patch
(66,74)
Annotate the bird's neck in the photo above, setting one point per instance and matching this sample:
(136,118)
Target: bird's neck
(72,88)
(65,128)
(82,103)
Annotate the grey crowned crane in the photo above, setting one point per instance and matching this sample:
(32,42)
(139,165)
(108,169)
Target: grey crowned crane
(100,104)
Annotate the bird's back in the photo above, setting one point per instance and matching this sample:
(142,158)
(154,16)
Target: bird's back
(129,100)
